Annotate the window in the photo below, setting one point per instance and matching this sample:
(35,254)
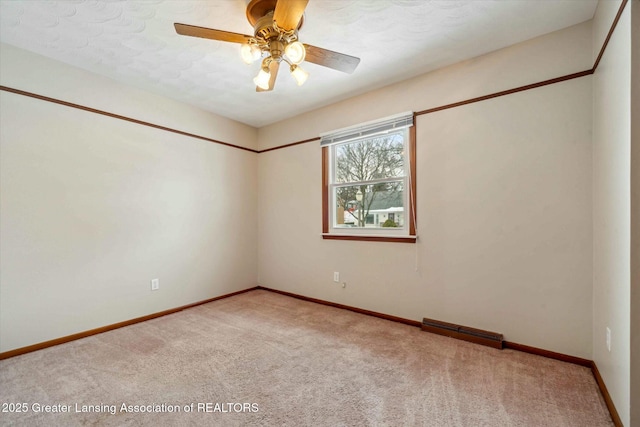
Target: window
(369,181)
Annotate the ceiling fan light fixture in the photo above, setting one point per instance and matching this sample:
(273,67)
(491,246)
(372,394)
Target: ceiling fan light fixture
(275,39)
(250,53)
(299,74)
(296,52)
(262,79)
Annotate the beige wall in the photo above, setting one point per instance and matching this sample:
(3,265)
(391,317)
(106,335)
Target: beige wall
(20,69)
(504,201)
(635,214)
(611,206)
(92,208)
(550,56)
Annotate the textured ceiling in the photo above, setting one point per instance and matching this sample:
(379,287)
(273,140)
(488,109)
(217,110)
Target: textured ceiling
(135,42)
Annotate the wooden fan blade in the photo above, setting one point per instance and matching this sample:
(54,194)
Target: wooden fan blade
(209,33)
(288,13)
(273,71)
(331,59)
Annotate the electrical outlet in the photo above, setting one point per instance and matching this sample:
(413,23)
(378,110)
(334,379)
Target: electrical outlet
(608,339)
(155,284)
(336,276)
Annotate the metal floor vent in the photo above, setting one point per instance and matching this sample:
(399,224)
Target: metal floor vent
(478,336)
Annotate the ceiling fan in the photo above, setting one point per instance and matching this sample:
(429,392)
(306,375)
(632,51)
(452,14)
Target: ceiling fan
(275,39)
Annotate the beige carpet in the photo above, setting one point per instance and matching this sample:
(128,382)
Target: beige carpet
(261,358)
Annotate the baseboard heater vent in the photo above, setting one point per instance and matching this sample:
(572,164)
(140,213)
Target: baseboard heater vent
(478,336)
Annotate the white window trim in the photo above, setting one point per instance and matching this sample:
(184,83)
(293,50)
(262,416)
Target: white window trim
(391,123)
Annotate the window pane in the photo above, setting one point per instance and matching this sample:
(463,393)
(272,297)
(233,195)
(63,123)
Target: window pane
(368,159)
(371,206)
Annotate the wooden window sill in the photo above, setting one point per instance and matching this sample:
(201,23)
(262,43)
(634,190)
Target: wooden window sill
(364,238)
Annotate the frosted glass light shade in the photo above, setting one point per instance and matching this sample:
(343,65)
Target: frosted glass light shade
(299,74)
(262,79)
(295,52)
(250,53)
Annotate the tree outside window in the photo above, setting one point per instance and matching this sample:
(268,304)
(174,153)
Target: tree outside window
(369,178)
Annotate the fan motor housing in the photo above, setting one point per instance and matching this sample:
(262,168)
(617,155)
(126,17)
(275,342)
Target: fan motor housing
(257,9)
(264,28)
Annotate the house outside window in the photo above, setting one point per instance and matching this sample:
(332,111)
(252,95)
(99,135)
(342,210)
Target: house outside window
(369,181)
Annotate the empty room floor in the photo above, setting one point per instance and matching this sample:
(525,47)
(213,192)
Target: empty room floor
(261,358)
